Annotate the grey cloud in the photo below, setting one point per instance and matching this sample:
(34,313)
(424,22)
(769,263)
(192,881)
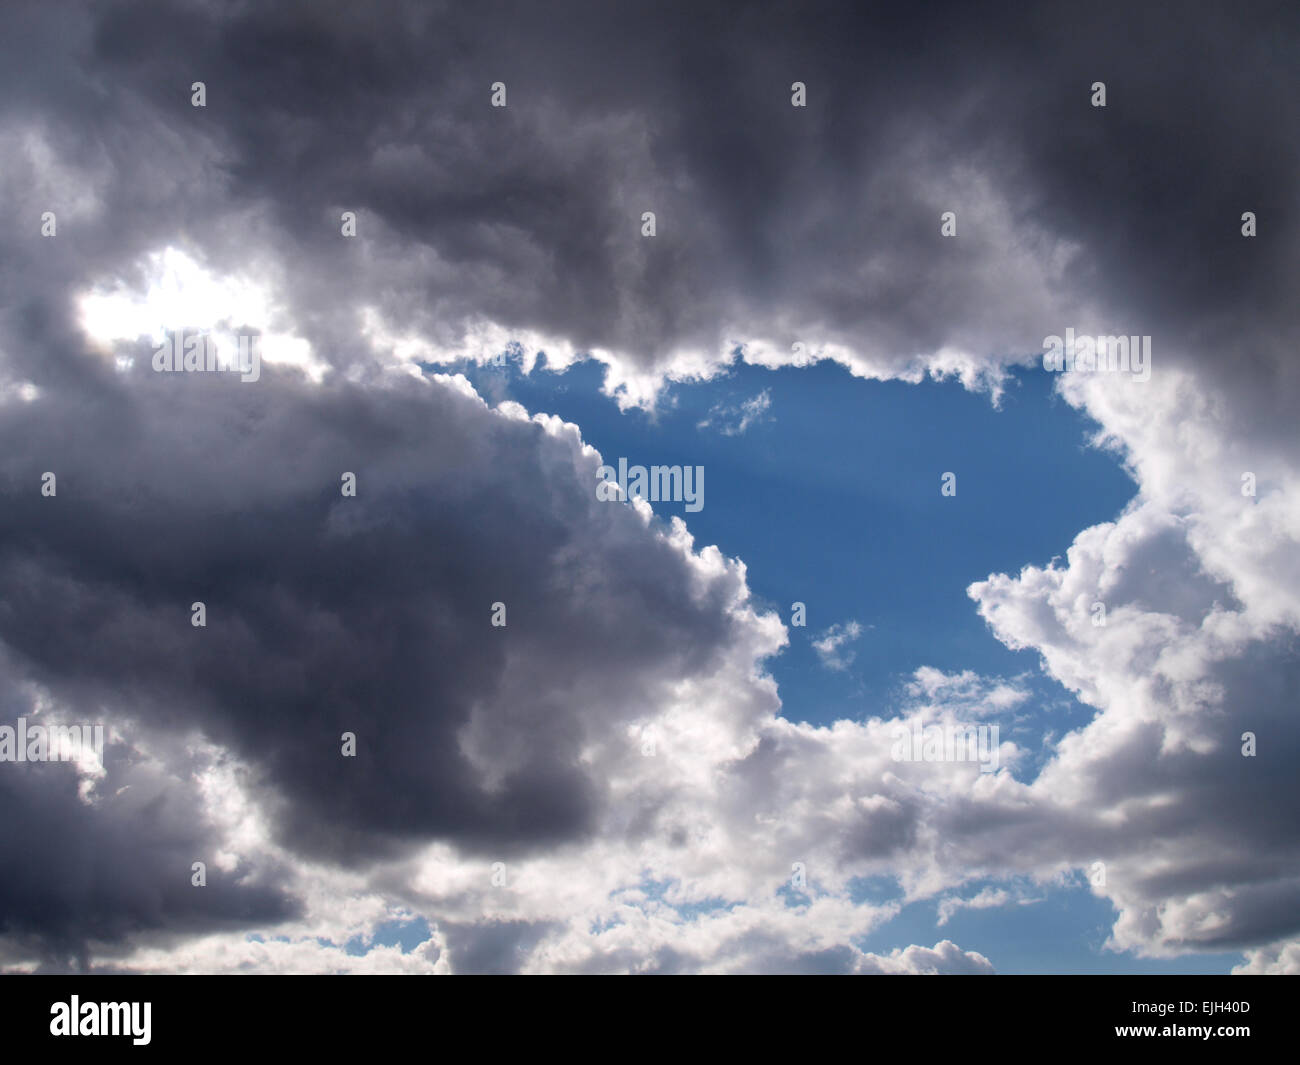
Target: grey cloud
(81,874)
(371,615)
(327,614)
(816,224)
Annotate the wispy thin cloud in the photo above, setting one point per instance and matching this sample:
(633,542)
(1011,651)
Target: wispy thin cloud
(733,419)
(829,646)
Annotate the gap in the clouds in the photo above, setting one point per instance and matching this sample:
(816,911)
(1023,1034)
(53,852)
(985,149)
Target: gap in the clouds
(650,890)
(831,495)
(1044,929)
(407,933)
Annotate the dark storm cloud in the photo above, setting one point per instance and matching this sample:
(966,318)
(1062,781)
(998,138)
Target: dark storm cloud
(492,948)
(81,872)
(816,224)
(328,614)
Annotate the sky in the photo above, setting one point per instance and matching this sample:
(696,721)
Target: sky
(396,676)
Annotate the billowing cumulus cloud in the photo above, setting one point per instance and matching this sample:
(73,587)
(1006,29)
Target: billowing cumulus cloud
(1181,782)
(605,783)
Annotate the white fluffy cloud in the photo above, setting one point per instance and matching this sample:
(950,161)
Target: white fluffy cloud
(1201,593)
